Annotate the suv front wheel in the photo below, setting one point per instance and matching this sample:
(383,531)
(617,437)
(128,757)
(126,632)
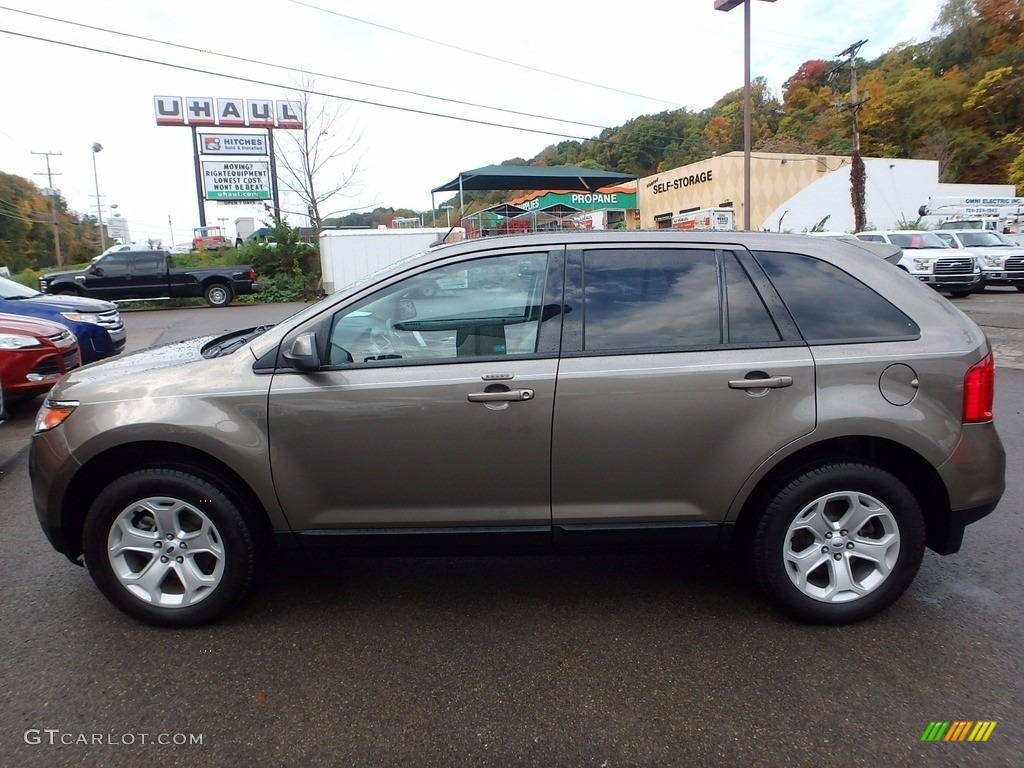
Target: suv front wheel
(169,547)
(839,543)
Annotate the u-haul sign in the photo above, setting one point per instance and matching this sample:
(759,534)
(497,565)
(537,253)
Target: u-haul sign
(232,144)
(205,110)
(236,181)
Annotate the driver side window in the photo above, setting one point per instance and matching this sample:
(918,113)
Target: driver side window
(488,307)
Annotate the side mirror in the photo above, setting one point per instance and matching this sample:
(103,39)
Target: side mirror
(302,354)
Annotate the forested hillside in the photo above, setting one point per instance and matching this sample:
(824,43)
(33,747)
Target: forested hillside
(957,98)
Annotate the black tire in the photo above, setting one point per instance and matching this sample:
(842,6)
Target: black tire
(169,508)
(961,294)
(892,533)
(217,295)
(1019,287)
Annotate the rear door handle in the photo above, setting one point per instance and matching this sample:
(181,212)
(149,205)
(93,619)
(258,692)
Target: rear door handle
(772,382)
(514,395)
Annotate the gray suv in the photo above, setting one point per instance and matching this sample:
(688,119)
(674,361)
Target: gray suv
(798,399)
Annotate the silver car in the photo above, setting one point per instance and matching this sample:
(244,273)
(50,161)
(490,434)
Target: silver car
(798,399)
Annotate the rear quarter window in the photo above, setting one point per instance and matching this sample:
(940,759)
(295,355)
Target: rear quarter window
(829,305)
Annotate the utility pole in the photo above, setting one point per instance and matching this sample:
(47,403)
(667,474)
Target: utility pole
(858,176)
(53,201)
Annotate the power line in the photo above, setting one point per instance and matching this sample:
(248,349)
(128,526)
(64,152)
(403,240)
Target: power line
(299,70)
(482,55)
(327,95)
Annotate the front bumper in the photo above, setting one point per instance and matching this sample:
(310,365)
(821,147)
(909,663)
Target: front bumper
(951,282)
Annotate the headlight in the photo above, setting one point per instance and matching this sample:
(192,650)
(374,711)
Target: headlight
(17,341)
(996,262)
(81,317)
(53,413)
(923,265)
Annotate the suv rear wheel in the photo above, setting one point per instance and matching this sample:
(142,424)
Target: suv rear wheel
(169,548)
(839,543)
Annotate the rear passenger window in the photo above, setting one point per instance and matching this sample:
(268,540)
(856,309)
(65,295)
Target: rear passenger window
(830,306)
(657,299)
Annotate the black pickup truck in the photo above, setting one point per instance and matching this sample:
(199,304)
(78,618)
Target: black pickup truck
(149,275)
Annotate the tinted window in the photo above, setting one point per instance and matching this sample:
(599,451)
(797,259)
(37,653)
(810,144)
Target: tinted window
(829,306)
(148,263)
(749,320)
(480,308)
(653,299)
(113,265)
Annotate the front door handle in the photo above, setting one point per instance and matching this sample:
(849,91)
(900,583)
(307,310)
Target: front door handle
(514,395)
(771,382)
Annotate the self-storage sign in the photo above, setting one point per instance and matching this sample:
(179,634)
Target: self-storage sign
(232,144)
(236,181)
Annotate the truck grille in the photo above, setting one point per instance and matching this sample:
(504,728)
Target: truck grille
(1015,264)
(954,266)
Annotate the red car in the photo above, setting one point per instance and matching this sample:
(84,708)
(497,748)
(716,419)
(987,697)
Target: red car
(34,354)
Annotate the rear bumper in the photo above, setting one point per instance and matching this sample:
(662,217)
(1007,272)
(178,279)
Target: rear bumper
(975,479)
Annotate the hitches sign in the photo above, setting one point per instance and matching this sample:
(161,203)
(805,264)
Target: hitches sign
(236,181)
(232,144)
(235,113)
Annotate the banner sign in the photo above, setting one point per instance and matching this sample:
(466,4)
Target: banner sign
(236,181)
(583,201)
(232,144)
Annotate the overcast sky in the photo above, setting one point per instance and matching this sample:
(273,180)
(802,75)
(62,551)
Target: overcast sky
(594,64)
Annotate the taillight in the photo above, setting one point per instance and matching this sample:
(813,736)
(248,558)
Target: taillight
(252,273)
(980,391)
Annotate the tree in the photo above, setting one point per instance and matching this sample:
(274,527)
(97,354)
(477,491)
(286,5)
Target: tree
(317,165)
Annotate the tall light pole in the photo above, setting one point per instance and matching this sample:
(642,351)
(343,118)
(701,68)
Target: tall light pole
(97,148)
(728,5)
(447,215)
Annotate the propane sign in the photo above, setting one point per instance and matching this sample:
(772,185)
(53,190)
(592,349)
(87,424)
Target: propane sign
(236,181)
(232,144)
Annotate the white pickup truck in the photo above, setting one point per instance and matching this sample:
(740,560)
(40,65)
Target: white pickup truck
(1000,258)
(928,258)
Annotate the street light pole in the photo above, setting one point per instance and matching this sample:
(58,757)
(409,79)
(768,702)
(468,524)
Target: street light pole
(728,5)
(97,148)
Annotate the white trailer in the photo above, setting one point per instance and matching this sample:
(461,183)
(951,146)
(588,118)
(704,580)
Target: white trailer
(346,255)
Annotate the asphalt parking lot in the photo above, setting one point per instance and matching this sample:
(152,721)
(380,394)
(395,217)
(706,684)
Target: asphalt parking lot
(625,660)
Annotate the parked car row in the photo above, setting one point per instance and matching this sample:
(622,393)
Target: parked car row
(957,262)
(37,333)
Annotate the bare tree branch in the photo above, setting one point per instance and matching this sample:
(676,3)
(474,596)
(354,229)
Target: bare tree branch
(317,161)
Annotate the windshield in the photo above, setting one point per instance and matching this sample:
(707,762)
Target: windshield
(981,237)
(12,290)
(1004,240)
(917,240)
